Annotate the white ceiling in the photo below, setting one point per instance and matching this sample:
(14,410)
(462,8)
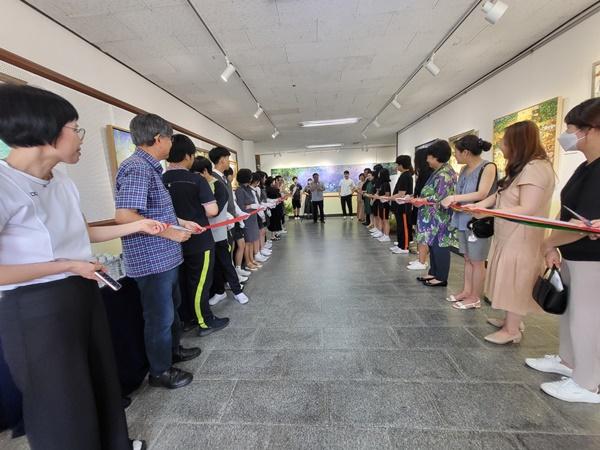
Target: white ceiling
(308,59)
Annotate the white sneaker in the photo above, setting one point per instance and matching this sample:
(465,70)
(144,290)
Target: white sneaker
(283,232)
(400,251)
(260,258)
(377,234)
(242,273)
(268,245)
(266,252)
(241,298)
(373,230)
(413,262)
(549,364)
(417,266)
(395,243)
(242,279)
(569,391)
(384,238)
(217,298)
(395,247)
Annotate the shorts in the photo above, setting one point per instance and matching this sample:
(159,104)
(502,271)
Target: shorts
(384,211)
(375,208)
(296,203)
(475,251)
(237,233)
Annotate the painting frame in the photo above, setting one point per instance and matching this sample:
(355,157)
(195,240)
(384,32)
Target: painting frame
(596,79)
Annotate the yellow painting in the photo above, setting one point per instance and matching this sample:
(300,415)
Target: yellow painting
(596,80)
(453,140)
(547,117)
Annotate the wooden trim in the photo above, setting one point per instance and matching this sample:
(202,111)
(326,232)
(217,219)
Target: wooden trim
(50,74)
(4,78)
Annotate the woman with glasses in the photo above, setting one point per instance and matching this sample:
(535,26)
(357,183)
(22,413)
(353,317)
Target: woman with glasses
(53,325)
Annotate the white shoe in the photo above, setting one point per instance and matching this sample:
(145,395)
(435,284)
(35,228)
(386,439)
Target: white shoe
(217,298)
(384,238)
(569,391)
(400,251)
(260,258)
(242,273)
(417,266)
(283,232)
(395,247)
(395,243)
(241,298)
(373,230)
(242,279)
(269,245)
(413,262)
(266,252)
(377,234)
(549,364)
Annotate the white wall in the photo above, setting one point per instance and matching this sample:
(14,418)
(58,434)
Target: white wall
(561,68)
(27,33)
(247,158)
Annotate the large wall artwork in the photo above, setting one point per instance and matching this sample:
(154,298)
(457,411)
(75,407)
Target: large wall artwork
(547,117)
(329,175)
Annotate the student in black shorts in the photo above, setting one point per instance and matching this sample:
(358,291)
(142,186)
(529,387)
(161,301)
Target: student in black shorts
(403,213)
(385,190)
(296,192)
(377,230)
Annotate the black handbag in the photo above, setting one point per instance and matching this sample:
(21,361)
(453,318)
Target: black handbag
(553,300)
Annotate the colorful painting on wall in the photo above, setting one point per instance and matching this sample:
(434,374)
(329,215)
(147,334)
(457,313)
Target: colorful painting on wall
(329,175)
(452,141)
(547,117)
(4,149)
(596,80)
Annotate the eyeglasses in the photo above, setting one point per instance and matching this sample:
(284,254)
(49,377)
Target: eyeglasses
(80,131)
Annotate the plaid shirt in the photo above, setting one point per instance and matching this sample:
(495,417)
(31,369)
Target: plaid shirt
(139,187)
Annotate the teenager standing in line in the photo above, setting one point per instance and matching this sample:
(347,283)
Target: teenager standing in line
(347,187)
(403,212)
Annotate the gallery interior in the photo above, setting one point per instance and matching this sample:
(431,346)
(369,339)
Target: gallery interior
(337,345)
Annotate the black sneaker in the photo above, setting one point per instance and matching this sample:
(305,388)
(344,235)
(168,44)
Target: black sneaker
(185,354)
(213,325)
(173,378)
(188,326)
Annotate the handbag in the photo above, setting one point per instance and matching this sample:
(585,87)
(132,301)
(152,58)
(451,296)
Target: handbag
(550,292)
(483,228)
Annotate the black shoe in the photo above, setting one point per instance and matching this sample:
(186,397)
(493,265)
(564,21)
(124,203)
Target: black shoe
(438,284)
(185,354)
(215,324)
(125,402)
(173,378)
(187,326)
(424,279)
(138,444)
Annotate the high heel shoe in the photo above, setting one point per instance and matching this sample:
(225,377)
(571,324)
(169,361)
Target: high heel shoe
(499,323)
(496,338)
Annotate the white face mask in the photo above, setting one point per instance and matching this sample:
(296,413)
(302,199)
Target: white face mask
(568,141)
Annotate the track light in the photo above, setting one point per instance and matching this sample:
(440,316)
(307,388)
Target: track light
(431,67)
(494,10)
(364,135)
(229,70)
(396,103)
(258,112)
(377,124)
(275,133)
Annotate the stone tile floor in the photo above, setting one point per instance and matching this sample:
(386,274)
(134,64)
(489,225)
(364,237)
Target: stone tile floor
(341,348)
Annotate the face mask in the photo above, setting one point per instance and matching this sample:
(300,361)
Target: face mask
(568,141)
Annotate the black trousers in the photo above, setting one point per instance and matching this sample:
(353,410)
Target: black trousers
(224,270)
(440,261)
(404,229)
(346,201)
(317,211)
(57,344)
(195,280)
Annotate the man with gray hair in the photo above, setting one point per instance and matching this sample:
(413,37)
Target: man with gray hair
(153,263)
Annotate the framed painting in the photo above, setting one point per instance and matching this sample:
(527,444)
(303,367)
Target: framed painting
(546,115)
(596,80)
(452,141)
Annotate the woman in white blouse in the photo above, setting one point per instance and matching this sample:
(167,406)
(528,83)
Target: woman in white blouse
(53,325)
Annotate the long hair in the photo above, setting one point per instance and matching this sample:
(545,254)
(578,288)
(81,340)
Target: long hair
(524,145)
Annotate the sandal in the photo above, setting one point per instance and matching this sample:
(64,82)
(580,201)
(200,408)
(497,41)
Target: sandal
(424,279)
(438,284)
(461,305)
(454,298)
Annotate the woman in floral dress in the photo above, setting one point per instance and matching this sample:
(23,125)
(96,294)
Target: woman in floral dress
(434,221)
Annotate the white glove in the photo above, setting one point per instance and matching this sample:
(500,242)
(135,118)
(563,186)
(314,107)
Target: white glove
(261,214)
(254,206)
(241,223)
(268,211)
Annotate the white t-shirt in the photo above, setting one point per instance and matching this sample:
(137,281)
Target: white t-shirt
(40,221)
(346,187)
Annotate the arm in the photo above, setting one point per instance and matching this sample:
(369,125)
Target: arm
(487,180)
(127,216)
(108,233)
(211,209)
(20,273)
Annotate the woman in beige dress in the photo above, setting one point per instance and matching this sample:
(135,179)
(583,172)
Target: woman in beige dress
(515,258)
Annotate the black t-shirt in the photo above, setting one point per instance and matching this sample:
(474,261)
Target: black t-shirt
(189,192)
(581,195)
(421,181)
(404,183)
(298,193)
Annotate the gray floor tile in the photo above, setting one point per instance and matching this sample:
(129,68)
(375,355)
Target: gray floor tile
(282,338)
(404,405)
(229,339)
(324,365)
(436,337)
(558,442)
(7,443)
(498,407)
(411,365)
(212,436)
(357,338)
(451,440)
(376,317)
(332,438)
(277,402)
(242,364)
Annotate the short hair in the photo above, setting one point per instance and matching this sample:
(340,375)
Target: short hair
(31,116)
(182,147)
(346,172)
(315,174)
(585,115)
(404,161)
(278,177)
(228,172)
(256,178)
(474,144)
(384,175)
(440,150)
(294,178)
(217,153)
(269,181)
(145,127)
(244,176)
(361,175)
(201,164)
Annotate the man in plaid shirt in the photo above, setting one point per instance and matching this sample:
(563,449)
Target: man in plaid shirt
(154,263)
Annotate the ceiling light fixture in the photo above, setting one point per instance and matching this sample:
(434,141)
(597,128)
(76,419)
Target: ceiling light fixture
(275,133)
(229,70)
(324,146)
(396,103)
(376,123)
(364,135)
(494,10)
(431,66)
(325,123)
(258,112)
